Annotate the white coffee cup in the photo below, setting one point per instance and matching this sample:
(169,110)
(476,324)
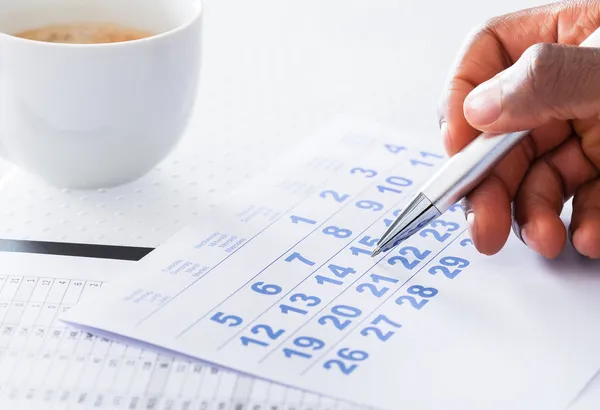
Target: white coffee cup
(96,115)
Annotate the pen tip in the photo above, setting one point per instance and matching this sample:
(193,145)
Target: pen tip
(376,252)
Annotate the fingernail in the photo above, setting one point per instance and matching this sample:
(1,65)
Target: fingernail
(528,238)
(470,217)
(466,206)
(484,105)
(443,127)
(583,247)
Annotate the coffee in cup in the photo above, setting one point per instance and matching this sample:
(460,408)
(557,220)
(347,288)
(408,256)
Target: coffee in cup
(84,33)
(83,108)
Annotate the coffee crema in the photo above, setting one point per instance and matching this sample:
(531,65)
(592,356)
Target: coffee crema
(84,33)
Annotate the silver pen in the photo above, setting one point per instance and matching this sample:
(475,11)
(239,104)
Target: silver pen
(459,176)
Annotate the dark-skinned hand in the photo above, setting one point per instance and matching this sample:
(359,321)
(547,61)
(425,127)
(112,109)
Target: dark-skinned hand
(525,71)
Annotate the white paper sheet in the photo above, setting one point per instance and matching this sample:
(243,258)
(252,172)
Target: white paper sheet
(589,399)
(45,364)
(278,283)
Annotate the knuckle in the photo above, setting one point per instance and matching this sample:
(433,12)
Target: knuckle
(495,25)
(455,83)
(473,36)
(563,77)
(591,148)
(544,63)
(485,29)
(491,24)
(480,29)
(588,196)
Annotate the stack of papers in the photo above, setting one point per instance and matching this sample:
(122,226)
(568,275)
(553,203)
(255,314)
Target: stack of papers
(277,286)
(46,364)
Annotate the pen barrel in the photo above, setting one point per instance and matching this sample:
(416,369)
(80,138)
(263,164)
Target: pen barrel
(465,170)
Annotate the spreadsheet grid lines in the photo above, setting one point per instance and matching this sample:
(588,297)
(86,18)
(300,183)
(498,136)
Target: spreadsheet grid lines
(89,363)
(59,303)
(48,294)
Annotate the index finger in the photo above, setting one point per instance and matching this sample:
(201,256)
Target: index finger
(479,60)
(487,51)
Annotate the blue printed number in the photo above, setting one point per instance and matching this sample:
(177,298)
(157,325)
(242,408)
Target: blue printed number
(420,291)
(456,207)
(337,232)
(368,173)
(304,343)
(416,162)
(380,320)
(345,356)
(357,251)
(321,280)
(301,258)
(260,287)
(394,149)
(396,181)
(367,241)
(447,226)
(466,241)
(339,271)
(405,259)
(336,197)
(373,288)
(309,301)
(367,204)
(448,262)
(297,219)
(340,311)
(257,330)
(229,320)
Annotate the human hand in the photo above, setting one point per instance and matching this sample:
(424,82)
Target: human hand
(524,71)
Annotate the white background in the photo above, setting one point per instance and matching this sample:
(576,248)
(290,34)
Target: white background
(272,72)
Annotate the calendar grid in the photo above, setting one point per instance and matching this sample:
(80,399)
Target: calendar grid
(214,267)
(384,215)
(62,366)
(356,235)
(366,317)
(319,226)
(257,234)
(79,370)
(357,199)
(339,322)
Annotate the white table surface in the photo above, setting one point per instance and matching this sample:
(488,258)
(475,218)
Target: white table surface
(272,72)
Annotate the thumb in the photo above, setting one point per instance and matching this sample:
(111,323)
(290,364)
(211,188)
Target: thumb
(549,81)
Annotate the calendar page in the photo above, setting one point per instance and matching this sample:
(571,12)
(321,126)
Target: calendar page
(279,283)
(46,364)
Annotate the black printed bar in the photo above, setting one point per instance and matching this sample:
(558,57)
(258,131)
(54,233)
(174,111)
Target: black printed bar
(84,250)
